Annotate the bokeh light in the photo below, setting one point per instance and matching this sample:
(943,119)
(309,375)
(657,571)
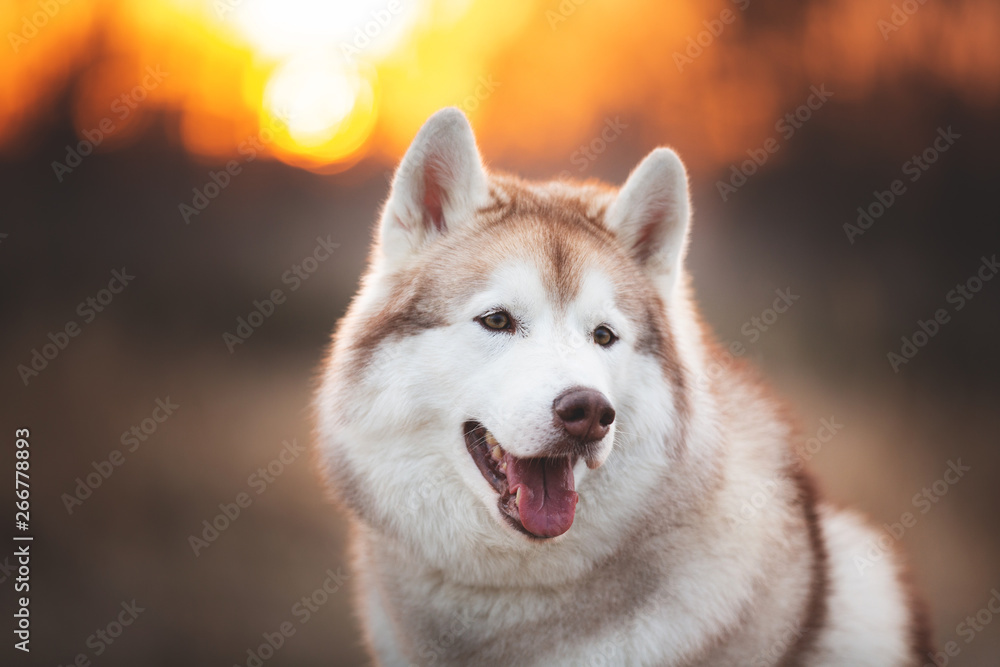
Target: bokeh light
(343,80)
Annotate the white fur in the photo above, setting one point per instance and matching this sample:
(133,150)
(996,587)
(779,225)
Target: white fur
(444,580)
(872,633)
(442,162)
(653,208)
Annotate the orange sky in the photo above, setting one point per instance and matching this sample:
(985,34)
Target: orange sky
(335,82)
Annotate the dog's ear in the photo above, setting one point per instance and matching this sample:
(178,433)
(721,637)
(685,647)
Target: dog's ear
(652,212)
(438,185)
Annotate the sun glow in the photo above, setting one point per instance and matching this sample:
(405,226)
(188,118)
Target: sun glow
(335,81)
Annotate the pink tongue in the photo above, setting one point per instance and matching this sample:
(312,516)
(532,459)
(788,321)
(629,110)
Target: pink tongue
(548,500)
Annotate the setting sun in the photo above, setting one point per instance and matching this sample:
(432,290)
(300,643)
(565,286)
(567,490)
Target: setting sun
(334,82)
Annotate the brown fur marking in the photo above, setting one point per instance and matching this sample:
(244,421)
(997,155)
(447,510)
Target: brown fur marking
(816,609)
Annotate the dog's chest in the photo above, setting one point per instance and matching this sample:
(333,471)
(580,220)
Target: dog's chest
(453,624)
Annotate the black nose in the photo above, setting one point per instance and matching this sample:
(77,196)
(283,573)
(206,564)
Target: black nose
(584,413)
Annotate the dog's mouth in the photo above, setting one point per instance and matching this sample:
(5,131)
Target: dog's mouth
(536,494)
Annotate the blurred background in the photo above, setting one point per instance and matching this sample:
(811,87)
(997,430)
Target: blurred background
(209,147)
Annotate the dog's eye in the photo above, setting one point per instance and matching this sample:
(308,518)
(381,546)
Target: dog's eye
(603,336)
(497,321)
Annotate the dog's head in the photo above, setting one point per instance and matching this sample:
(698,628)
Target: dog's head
(508,338)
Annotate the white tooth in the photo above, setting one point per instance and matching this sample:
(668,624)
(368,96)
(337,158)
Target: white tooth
(596,462)
(490,440)
(503,466)
(496,452)
(517,497)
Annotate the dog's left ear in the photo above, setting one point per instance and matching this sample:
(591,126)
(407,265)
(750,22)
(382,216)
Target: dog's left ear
(652,212)
(437,188)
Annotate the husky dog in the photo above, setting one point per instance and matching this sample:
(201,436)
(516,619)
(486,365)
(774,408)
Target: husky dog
(548,461)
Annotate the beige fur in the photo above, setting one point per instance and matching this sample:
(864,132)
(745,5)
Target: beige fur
(659,566)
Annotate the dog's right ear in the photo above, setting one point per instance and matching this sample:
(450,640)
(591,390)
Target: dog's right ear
(438,186)
(651,215)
